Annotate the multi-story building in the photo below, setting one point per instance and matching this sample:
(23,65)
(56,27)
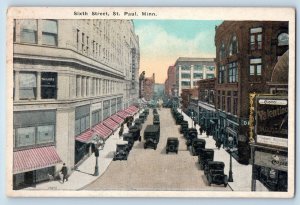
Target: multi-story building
(190,70)
(246,53)
(170,82)
(69,77)
(189,101)
(148,87)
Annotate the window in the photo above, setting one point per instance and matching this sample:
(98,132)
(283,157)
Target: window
(27,82)
(210,76)
(82,119)
(232,72)
(82,42)
(255,67)
(87,45)
(106,109)
(14,34)
(221,74)
(210,68)
(185,75)
(45,134)
(283,39)
(77,39)
(96,117)
(222,51)
(198,67)
(185,67)
(48,85)
(185,83)
(233,48)
(198,75)
(25,136)
(28,31)
(256,38)
(49,32)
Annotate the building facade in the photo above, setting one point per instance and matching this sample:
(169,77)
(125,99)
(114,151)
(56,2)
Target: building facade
(170,81)
(69,76)
(246,53)
(148,87)
(190,70)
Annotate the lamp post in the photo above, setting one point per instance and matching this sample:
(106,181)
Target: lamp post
(98,143)
(230,149)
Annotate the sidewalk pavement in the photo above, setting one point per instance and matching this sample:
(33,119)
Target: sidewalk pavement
(241,173)
(84,174)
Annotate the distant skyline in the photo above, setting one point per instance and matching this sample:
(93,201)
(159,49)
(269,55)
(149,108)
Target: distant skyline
(163,41)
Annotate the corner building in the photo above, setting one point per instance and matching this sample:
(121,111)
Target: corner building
(246,53)
(69,76)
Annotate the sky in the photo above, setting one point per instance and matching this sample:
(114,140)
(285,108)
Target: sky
(163,41)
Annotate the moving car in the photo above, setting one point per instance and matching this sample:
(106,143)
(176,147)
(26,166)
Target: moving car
(122,152)
(172,145)
(151,136)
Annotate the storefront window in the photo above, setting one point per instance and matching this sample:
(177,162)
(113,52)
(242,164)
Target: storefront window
(82,119)
(27,82)
(45,134)
(25,136)
(28,31)
(49,32)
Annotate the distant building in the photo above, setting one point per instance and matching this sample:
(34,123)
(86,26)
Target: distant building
(190,70)
(170,82)
(246,54)
(148,87)
(188,98)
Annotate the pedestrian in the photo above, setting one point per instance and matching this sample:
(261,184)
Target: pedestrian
(201,130)
(121,130)
(64,171)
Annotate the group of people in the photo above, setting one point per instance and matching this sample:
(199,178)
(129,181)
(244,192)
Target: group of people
(219,142)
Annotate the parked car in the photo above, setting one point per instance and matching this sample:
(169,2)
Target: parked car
(197,146)
(206,155)
(191,134)
(178,118)
(136,132)
(121,152)
(172,145)
(151,136)
(130,139)
(138,123)
(215,173)
(184,126)
(143,117)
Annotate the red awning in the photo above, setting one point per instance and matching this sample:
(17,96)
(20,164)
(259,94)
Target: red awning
(85,136)
(33,159)
(123,114)
(128,110)
(133,108)
(117,119)
(102,131)
(111,124)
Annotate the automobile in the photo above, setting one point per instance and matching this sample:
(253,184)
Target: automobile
(138,122)
(121,152)
(215,173)
(191,134)
(143,117)
(178,118)
(136,132)
(172,145)
(197,146)
(146,111)
(206,155)
(155,111)
(184,126)
(151,136)
(129,138)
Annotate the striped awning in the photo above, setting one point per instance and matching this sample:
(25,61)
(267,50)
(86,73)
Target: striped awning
(123,114)
(35,158)
(85,137)
(102,131)
(111,124)
(130,111)
(117,119)
(133,108)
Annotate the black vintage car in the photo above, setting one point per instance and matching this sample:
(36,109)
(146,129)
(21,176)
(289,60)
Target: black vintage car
(146,111)
(138,123)
(215,173)
(191,134)
(178,118)
(130,139)
(206,155)
(172,145)
(184,126)
(143,117)
(122,152)
(197,146)
(151,136)
(136,132)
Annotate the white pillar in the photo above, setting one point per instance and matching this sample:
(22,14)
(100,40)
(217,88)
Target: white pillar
(38,86)
(78,86)
(83,93)
(17,86)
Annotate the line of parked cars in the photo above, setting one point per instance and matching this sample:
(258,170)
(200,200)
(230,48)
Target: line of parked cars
(152,132)
(213,170)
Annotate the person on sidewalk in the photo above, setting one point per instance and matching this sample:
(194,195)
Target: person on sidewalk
(200,130)
(64,171)
(121,130)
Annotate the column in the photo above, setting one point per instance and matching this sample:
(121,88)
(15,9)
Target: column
(96,87)
(88,86)
(17,86)
(83,93)
(78,86)
(39,32)
(38,86)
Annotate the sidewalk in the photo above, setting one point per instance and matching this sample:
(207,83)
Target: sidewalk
(241,173)
(83,175)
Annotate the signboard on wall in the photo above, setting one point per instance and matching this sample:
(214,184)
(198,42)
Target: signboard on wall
(272,120)
(273,161)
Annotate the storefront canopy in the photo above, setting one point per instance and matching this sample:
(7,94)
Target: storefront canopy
(117,119)
(35,158)
(85,137)
(102,131)
(123,114)
(133,109)
(111,124)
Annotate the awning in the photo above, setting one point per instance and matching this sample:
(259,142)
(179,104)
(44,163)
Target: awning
(111,124)
(33,159)
(129,111)
(123,114)
(133,108)
(102,131)
(85,137)
(117,119)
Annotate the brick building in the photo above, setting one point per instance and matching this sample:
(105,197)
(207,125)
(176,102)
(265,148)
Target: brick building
(189,101)
(170,81)
(246,53)
(148,87)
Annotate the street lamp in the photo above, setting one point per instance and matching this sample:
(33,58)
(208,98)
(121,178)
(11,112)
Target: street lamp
(98,144)
(230,149)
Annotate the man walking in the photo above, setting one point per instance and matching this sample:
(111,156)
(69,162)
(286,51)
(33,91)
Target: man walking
(64,171)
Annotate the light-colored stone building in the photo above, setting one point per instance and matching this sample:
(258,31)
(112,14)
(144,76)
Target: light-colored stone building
(69,75)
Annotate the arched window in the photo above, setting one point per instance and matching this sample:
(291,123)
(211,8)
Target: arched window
(233,48)
(222,51)
(283,39)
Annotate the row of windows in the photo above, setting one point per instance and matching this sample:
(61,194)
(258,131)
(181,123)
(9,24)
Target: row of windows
(229,102)
(29,31)
(197,67)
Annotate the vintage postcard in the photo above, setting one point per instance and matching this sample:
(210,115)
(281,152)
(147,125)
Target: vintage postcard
(150,102)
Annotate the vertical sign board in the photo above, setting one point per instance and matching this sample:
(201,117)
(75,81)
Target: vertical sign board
(272,120)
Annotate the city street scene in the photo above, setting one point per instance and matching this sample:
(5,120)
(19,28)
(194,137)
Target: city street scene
(150,105)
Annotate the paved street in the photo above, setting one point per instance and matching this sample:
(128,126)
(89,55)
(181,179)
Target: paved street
(153,169)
